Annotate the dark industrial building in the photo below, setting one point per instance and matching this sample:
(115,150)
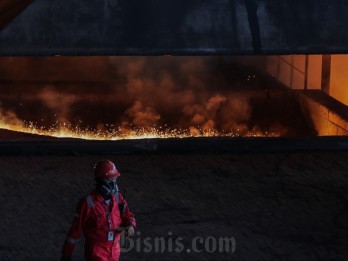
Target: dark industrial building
(228,120)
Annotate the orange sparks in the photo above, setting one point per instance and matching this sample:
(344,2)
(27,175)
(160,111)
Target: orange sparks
(122,133)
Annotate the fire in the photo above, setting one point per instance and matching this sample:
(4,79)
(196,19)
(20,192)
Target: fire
(114,98)
(122,133)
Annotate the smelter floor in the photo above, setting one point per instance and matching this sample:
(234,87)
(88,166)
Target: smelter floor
(276,206)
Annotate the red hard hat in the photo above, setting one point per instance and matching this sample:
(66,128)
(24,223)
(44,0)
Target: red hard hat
(105,169)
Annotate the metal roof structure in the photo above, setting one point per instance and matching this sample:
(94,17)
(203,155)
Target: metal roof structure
(176,27)
(9,9)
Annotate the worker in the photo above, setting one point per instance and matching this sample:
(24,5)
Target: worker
(102,215)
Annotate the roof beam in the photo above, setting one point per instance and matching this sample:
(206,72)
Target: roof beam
(175,27)
(9,9)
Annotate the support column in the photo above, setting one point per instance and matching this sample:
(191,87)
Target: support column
(326,73)
(306,72)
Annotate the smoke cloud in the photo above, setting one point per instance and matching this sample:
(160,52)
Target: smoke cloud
(9,118)
(59,103)
(105,93)
(142,117)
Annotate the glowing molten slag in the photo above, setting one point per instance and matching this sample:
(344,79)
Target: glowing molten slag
(122,132)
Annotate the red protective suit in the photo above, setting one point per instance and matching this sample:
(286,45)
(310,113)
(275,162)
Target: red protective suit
(91,218)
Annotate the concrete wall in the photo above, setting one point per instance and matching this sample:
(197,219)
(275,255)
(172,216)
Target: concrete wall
(319,108)
(327,116)
(291,69)
(339,78)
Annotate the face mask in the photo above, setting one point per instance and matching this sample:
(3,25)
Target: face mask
(106,189)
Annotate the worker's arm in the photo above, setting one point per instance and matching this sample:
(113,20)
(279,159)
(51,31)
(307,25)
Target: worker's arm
(128,218)
(76,227)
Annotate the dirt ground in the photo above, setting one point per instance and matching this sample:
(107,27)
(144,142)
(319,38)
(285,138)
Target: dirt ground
(276,206)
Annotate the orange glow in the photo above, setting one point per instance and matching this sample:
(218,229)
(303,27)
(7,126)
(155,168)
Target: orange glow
(339,79)
(113,98)
(122,133)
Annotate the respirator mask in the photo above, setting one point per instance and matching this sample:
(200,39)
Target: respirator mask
(107,188)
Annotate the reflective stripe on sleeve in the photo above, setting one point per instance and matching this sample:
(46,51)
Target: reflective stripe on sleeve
(117,196)
(131,219)
(71,240)
(90,201)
